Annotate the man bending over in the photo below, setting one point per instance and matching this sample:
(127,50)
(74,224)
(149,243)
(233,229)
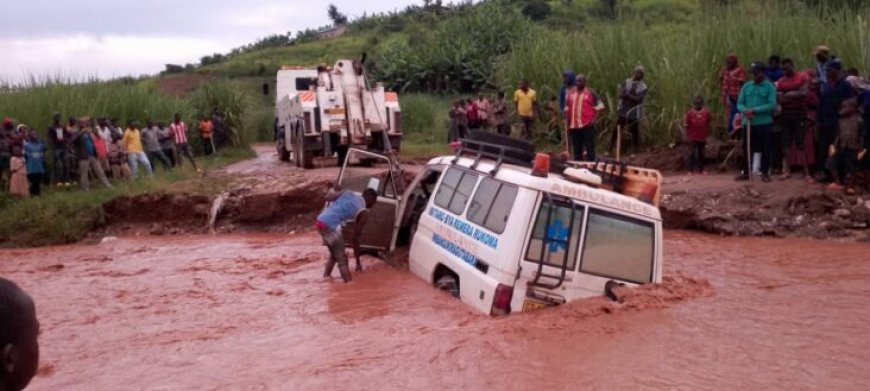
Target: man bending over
(344,206)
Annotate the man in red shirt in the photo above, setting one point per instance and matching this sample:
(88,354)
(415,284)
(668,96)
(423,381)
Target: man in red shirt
(791,91)
(179,131)
(697,124)
(581,110)
(731,79)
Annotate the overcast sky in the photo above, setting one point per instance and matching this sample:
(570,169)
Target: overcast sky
(108,38)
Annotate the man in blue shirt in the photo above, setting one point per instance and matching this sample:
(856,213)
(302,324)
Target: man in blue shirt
(344,206)
(34,156)
(774,68)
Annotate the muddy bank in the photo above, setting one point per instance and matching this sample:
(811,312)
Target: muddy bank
(242,209)
(252,312)
(717,204)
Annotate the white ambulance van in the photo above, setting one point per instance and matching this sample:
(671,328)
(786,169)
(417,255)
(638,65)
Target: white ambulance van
(502,231)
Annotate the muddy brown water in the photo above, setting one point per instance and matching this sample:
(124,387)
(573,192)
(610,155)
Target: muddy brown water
(251,312)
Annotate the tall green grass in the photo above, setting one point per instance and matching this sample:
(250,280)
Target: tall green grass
(34,102)
(683,59)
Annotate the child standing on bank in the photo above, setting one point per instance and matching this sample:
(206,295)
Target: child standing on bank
(18,185)
(697,123)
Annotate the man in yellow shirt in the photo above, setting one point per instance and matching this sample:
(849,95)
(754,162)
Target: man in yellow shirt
(132,142)
(526,100)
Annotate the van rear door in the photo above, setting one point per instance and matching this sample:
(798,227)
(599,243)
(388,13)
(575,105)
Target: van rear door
(362,170)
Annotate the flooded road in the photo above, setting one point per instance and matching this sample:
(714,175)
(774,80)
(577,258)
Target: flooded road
(251,312)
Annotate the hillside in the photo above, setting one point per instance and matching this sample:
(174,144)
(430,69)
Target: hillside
(453,50)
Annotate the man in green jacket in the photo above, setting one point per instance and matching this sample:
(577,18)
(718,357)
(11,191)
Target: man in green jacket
(757,102)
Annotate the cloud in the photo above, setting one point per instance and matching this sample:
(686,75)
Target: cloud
(106,56)
(107,38)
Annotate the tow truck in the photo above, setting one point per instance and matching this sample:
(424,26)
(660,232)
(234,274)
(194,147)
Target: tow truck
(323,111)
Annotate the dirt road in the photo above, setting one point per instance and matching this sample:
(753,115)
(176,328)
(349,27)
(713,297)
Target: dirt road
(251,312)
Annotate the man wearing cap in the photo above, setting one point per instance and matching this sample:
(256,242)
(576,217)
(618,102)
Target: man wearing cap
(731,79)
(832,94)
(630,110)
(757,102)
(822,54)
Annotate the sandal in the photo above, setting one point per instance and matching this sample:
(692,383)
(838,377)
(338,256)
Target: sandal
(809,179)
(834,186)
(850,191)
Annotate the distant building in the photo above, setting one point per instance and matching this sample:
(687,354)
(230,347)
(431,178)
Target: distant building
(334,32)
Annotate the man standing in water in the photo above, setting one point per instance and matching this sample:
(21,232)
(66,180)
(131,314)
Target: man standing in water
(757,102)
(344,206)
(19,331)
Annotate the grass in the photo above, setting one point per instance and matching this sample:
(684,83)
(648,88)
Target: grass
(59,217)
(682,59)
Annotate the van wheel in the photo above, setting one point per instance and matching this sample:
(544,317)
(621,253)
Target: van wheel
(448,281)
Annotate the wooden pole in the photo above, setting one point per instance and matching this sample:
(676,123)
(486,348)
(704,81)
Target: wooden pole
(618,141)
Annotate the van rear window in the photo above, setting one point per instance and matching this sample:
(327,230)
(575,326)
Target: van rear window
(618,247)
(492,204)
(455,190)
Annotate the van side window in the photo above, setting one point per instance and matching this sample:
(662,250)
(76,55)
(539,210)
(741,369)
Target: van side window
(455,190)
(556,234)
(618,247)
(492,204)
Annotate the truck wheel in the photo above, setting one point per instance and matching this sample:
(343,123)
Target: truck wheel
(303,159)
(296,153)
(283,153)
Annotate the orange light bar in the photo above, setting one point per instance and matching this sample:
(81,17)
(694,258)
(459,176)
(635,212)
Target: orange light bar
(542,165)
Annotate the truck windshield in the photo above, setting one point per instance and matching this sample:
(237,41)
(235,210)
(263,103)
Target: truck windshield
(305,83)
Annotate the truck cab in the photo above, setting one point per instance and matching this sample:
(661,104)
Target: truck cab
(503,235)
(322,111)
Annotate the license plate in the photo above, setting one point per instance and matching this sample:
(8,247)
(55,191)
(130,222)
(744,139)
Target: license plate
(531,305)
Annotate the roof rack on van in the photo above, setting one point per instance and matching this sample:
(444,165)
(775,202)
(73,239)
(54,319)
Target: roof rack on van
(641,183)
(500,148)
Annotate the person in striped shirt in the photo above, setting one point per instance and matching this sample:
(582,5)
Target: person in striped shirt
(179,130)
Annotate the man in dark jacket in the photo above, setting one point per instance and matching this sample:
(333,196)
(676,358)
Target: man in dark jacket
(833,93)
(58,138)
(86,153)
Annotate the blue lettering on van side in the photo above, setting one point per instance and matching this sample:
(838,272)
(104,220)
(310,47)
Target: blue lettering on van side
(454,249)
(464,227)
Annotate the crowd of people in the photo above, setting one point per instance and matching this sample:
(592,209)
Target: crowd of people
(783,117)
(83,149)
(817,119)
